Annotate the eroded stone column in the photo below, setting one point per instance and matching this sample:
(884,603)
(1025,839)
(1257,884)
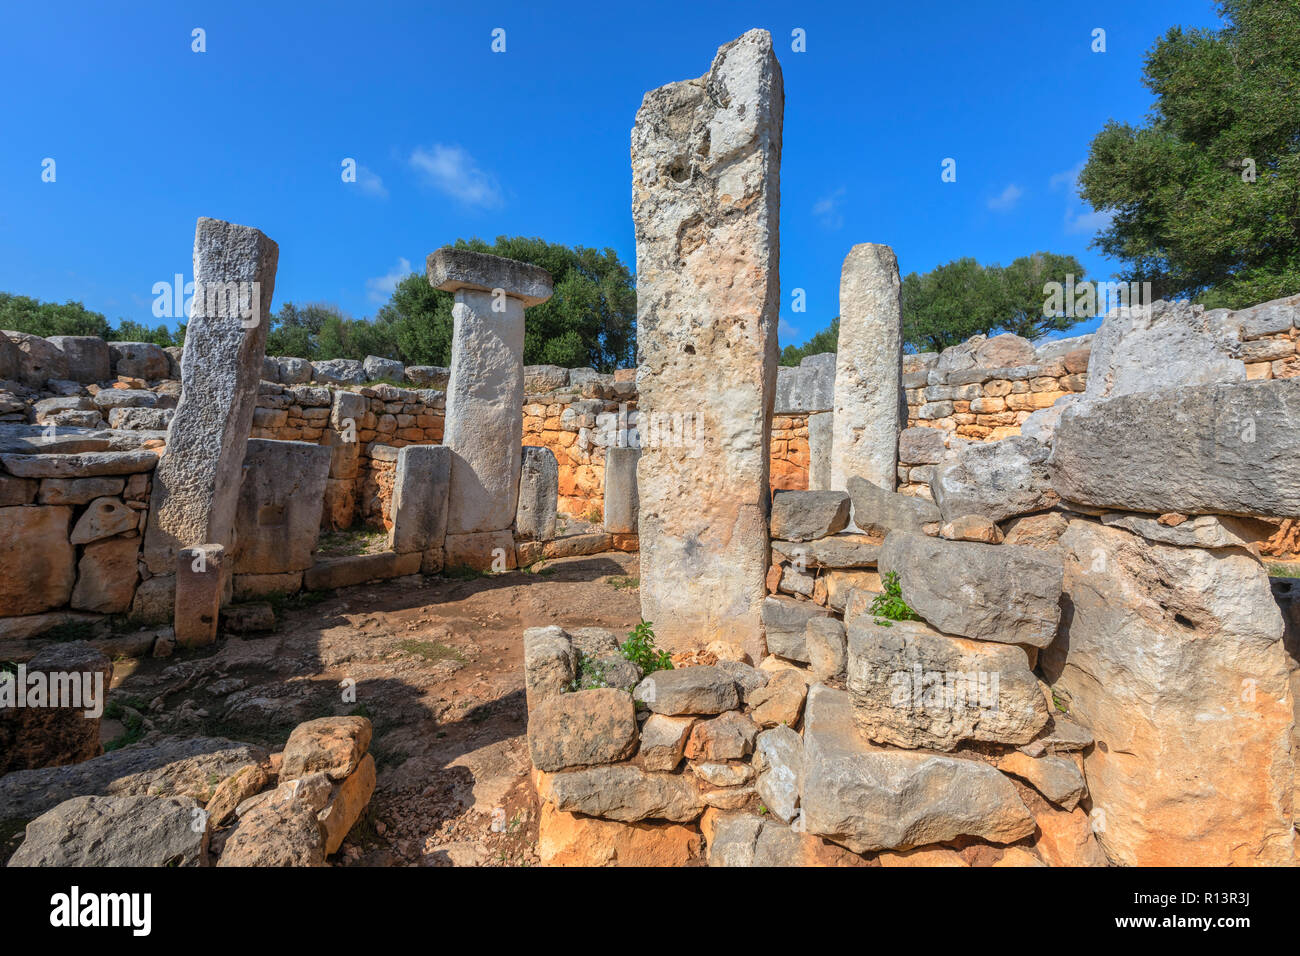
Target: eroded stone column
(869,403)
(539,495)
(706,157)
(196,484)
(484,429)
(621,503)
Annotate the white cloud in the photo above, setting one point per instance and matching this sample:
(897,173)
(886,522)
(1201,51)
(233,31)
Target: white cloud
(1087,221)
(381,289)
(1010,196)
(451,170)
(827,209)
(370,183)
(1068,178)
(786,333)
(1079,218)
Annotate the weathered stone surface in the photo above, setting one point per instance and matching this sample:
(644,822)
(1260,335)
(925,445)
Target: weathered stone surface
(103,518)
(625,793)
(11,359)
(278,519)
(914,687)
(22,491)
(689,690)
(706,205)
(879,511)
(140,419)
(780,700)
(428,376)
(621,501)
(170,766)
(550,663)
(1037,531)
(821,436)
(1041,425)
(567,839)
(778,756)
(38,360)
(989,592)
(483,428)
(201,575)
(539,490)
(276,834)
(1188,349)
(1173,658)
(196,486)
(784,622)
(971,528)
(837,551)
(245,782)
(580,729)
(116,831)
(1004,351)
(747,839)
(419,507)
(338,372)
(87,356)
(1056,778)
(808,515)
(39,563)
(726,737)
(1208,449)
(663,741)
(454,270)
(139,360)
(50,732)
(378,368)
(921,446)
(725,776)
(482,551)
(106,576)
(334,745)
(870,408)
(826,643)
(871,799)
(998,480)
(1200,531)
(544,378)
(346,570)
(808,387)
(80,464)
(107,398)
(1067,838)
(348,800)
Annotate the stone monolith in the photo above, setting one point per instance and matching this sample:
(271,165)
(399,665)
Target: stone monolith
(706,159)
(869,399)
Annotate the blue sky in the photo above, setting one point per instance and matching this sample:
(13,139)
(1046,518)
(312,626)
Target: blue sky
(454,140)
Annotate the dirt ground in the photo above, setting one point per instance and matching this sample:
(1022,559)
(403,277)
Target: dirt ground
(435,663)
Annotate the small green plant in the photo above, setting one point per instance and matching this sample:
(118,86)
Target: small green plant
(624,584)
(889,606)
(591,674)
(639,648)
(432,651)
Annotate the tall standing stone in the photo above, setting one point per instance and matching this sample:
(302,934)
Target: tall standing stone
(621,504)
(419,509)
(539,495)
(706,157)
(484,429)
(196,484)
(869,402)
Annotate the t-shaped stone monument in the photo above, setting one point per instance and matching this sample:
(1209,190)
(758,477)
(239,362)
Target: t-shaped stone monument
(706,158)
(484,429)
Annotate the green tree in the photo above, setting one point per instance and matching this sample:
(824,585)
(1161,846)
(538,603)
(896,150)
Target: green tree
(1186,216)
(954,301)
(20,313)
(827,340)
(128,330)
(420,318)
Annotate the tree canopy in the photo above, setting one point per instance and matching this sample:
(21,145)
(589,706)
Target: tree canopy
(20,313)
(827,340)
(1205,195)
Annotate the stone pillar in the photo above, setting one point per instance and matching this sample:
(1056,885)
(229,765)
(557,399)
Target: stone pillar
(200,588)
(196,484)
(539,495)
(869,403)
(347,419)
(484,427)
(621,503)
(419,509)
(706,157)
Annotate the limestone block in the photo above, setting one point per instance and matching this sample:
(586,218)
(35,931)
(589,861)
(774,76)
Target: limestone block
(37,564)
(88,357)
(621,501)
(419,504)
(106,576)
(200,583)
(539,490)
(279,516)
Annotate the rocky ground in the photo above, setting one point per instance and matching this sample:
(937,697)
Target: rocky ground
(435,663)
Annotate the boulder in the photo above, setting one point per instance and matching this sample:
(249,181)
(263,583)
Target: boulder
(663,742)
(780,700)
(568,839)
(139,360)
(550,663)
(581,729)
(1000,593)
(539,490)
(87,464)
(50,732)
(625,793)
(913,687)
(120,831)
(1173,658)
(107,398)
(878,511)
(334,745)
(837,551)
(38,360)
(277,834)
(1004,351)
(544,378)
(808,515)
(103,518)
(1201,531)
(867,798)
(39,563)
(377,369)
(998,480)
(778,756)
(689,690)
(338,372)
(1208,449)
(88,357)
(826,643)
(727,737)
(106,575)
(428,376)
(785,621)
(1056,778)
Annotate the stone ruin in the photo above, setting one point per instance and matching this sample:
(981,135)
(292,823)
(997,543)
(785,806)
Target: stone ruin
(1004,605)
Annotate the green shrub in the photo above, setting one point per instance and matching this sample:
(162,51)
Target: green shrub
(889,606)
(639,648)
